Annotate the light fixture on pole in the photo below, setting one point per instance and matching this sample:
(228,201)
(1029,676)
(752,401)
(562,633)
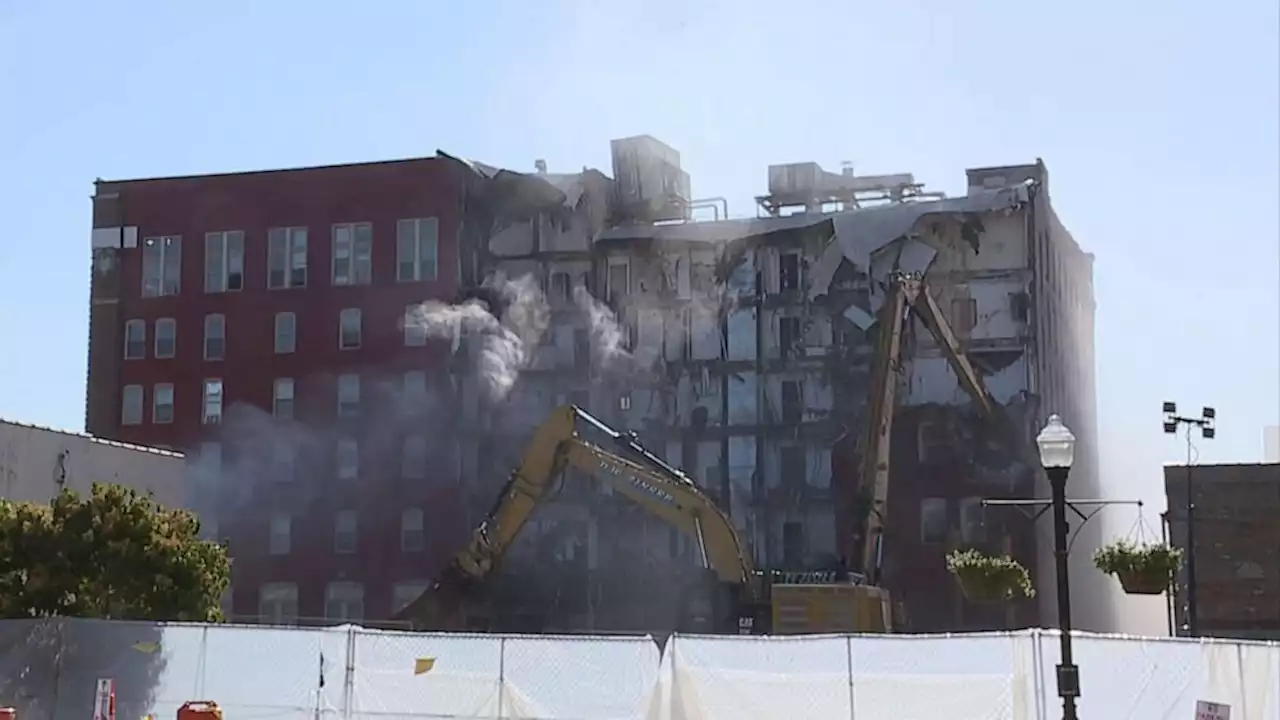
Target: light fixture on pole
(1207,423)
(1057,453)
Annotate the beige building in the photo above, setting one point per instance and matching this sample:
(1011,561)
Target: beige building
(35,462)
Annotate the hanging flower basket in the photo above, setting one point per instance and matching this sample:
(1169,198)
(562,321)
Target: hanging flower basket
(989,579)
(1143,569)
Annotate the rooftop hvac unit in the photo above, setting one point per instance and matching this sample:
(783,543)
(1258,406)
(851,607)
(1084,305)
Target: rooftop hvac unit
(650,186)
(807,178)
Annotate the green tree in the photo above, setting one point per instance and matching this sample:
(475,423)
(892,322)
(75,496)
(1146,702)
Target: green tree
(115,554)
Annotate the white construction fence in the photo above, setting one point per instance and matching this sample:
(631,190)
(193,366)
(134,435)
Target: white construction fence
(49,670)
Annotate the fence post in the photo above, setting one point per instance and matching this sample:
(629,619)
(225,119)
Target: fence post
(502,675)
(349,674)
(848,664)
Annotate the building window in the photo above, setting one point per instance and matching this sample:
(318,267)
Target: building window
(972,529)
(223,261)
(788,335)
(344,601)
(792,464)
(404,593)
(166,337)
(287,258)
(618,281)
(789,271)
(280,541)
(933,520)
(352,254)
(286,333)
(415,385)
(282,458)
(135,340)
(413,537)
(161,266)
(211,457)
(282,398)
(417,250)
(348,395)
(930,441)
(415,331)
(212,402)
(278,603)
(413,461)
(792,402)
(559,289)
(964,315)
(344,532)
(162,404)
(131,401)
(349,329)
(215,337)
(347,459)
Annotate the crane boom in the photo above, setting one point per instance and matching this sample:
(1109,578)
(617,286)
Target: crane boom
(907,292)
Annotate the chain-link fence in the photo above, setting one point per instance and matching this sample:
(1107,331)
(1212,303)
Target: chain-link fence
(49,669)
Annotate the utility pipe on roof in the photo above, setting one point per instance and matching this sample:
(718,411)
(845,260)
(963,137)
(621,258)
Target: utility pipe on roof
(711,202)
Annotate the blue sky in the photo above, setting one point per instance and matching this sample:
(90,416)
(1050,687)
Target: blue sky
(1158,122)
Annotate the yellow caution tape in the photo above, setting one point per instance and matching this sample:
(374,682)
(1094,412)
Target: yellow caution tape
(423,665)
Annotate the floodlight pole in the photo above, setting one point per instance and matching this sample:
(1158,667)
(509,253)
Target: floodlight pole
(1206,424)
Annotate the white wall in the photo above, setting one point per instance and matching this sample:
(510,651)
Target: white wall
(33,460)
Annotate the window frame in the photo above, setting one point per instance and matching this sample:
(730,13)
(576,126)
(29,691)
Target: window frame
(359,254)
(158,392)
(284,594)
(347,394)
(278,398)
(411,239)
(350,595)
(408,518)
(290,320)
(927,538)
(172,325)
(288,244)
(211,400)
(280,525)
(218,321)
(346,448)
(346,532)
(165,261)
(136,326)
(133,411)
(343,316)
(415,333)
(229,254)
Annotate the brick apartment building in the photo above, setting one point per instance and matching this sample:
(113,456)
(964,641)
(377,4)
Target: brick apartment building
(255,321)
(1237,548)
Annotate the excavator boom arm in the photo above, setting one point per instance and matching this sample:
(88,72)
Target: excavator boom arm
(632,470)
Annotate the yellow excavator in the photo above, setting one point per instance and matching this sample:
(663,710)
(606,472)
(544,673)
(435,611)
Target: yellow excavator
(743,600)
(906,292)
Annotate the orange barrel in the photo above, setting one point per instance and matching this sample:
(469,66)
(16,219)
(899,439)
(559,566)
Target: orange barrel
(197,710)
(8,713)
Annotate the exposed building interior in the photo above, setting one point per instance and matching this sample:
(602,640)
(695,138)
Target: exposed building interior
(741,350)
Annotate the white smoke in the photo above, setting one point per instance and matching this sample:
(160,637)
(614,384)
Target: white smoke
(505,345)
(608,340)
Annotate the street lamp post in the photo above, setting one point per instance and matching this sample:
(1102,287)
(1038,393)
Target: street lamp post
(1057,452)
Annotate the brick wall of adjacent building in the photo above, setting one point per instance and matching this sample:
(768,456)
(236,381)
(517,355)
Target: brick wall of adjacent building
(1237,547)
(262,478)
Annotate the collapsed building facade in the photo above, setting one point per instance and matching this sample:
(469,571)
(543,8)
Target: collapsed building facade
(740,350)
